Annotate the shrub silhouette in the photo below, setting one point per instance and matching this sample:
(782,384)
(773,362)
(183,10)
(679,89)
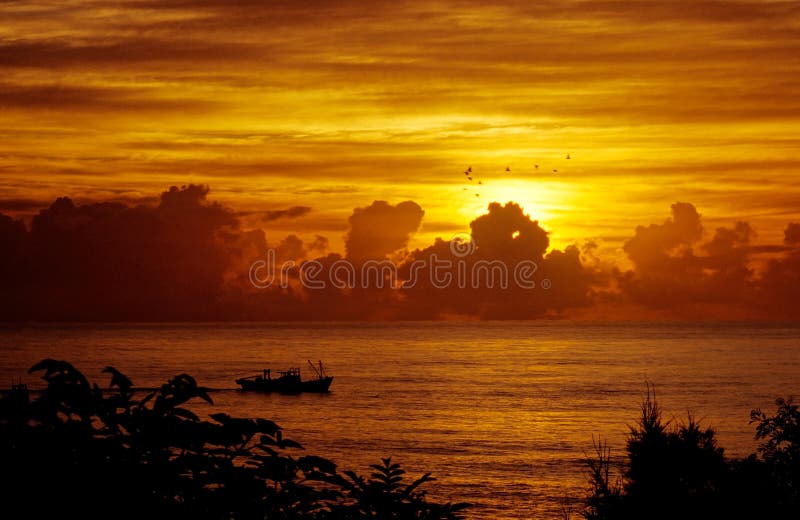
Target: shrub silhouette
(777,466)
(605,496)
(679,471)
(383,495)
(92,454)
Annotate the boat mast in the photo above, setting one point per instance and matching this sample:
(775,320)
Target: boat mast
(319,371)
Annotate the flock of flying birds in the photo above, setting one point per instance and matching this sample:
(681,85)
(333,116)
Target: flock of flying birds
(468,175)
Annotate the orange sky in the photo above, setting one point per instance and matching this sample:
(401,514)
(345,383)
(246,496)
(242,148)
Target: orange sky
(333,106)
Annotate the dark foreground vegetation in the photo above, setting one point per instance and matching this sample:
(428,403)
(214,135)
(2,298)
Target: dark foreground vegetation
(678,471)
(77,451)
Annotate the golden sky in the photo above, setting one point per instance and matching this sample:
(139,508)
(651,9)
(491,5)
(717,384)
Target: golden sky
(332,105)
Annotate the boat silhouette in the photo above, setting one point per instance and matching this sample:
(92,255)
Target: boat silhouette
(288,381)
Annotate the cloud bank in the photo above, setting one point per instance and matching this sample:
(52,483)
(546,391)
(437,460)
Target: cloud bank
(185,257)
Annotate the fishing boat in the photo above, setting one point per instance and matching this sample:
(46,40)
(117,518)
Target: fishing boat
(288,381)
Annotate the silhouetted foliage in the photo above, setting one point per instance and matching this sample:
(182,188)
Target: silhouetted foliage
(779,454)
(86,453)
(681,472)
(605,499)
(384,496)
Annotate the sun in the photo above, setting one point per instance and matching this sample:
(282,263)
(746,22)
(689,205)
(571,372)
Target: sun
(537,198)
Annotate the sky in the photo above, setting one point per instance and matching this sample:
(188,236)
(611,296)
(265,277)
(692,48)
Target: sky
(296,113)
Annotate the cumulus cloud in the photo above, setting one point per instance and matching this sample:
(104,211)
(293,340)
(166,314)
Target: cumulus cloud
(655,245)
(108,260)
(682,276)
(293,248)
(728,240)
(381,229)
(506,240)
(506,232)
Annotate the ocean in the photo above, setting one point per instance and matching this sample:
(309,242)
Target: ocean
(501,413)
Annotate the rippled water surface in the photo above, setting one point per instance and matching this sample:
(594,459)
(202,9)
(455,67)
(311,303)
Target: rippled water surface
(501,413)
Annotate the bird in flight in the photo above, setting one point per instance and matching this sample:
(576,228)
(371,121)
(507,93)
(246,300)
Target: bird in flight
(468,177)
(477,194)
(555,171)
(480,182)
(508,168)
(536,166)
(469,169)
(567,156)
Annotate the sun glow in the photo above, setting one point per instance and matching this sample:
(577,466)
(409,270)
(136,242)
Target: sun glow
(541,199)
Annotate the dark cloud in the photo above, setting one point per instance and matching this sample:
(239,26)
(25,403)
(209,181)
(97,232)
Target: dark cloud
(318,246)
(381,229)
(295,249)
(684,277)
(185,257)
(506,232)
(109,260)
(12,240)
(290,248)
(293,212)
(791,235)
(728,240)
(504,240)
(656,245)
(779,285)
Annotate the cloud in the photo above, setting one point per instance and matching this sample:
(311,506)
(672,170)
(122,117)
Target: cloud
(792,234)
(318,246)
(657,244)
(295,249)
(55,54)
(108,260)
(681,276)
(509,246)
(293,212)
(381,229)
(506,232)
(185,257)
(779,285)
(727,240)
(81,98)
(12,240)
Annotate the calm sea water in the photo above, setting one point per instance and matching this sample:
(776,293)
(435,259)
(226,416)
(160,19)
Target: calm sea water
(501,413)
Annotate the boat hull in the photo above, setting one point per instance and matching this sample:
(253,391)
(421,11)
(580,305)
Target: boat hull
(286,387)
